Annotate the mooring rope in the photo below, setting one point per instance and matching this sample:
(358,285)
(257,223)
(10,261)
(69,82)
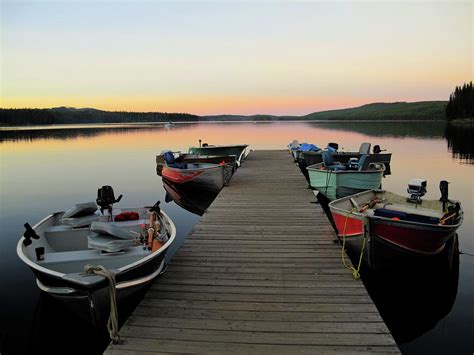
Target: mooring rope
(112,323)
(355,272)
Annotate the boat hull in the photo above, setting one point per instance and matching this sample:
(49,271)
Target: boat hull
(209,178)
(337,184)
(195,158)
(413,237)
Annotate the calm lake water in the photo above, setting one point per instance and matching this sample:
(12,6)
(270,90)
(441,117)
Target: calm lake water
(427,306)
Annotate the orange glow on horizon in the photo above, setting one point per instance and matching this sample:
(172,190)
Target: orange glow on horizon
(201,105)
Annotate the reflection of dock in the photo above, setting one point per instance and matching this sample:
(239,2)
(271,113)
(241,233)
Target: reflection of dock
(259,273)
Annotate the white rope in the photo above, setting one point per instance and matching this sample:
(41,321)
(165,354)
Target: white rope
(112,323)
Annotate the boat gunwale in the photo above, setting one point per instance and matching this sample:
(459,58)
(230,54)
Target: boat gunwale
(363,216)
(335,171)
(125,268)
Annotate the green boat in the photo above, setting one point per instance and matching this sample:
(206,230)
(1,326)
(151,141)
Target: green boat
(335,180)
(238,150)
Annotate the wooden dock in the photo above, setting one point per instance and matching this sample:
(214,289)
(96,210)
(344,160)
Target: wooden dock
(259,273)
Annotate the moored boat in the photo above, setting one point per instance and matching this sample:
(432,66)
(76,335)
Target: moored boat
(239,150)
(419,226)
(377,156)
(206,176)
(335,180)
(185,158)
(82,255)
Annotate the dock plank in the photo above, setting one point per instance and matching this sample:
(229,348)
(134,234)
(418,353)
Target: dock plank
(259,273)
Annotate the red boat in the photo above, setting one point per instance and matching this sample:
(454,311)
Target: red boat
(205,176)
(419,226)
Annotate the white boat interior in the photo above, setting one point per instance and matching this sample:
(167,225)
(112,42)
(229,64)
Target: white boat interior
(67,244)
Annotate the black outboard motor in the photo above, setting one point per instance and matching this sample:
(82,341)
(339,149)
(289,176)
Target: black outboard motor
(106,198)
(376,149)
(443,188)
(334,147)
(416,190)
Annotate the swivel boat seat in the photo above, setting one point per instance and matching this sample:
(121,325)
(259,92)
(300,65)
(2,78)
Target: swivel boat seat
(329,163)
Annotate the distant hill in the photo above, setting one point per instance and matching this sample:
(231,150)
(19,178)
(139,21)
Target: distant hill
(422,110)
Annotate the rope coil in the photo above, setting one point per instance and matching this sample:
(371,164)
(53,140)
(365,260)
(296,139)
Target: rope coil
(112,323)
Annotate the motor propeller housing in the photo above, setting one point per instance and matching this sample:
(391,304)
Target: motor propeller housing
(416,190)
(106,198)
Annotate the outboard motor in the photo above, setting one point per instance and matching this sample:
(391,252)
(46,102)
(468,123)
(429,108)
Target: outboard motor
(376,149)
(416,189)
(332,147)
(443,188)
(106,198)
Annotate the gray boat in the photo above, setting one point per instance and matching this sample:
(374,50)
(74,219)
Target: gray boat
(187,158)
(83,254)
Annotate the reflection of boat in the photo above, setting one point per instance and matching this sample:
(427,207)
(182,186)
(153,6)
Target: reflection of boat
(192,200)
(206,176)
(336,180)
(129,243)
(411,224)
(237,150)
(413,293)
(193,158)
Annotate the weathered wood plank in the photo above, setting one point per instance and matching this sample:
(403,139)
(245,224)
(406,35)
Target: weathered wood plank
(260,326)
(239,297)
(157,346)
(234,336)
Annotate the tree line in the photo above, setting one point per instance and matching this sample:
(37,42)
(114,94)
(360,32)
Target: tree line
(461,103)
(29,117)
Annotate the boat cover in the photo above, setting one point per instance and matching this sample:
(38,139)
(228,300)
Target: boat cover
(308,147)
(76,222)
(111,229)
(108,243)
(81,209)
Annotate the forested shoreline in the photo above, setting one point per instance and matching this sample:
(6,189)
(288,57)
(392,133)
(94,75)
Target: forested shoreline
(33,117)
(396,111)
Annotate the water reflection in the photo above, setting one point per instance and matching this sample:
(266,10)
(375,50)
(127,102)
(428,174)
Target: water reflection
(461,142)
(388,128)
(413,293)
(55,325)
(67,132)
(191,200)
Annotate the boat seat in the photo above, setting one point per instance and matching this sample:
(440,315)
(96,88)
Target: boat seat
(80,215)
(84,221)
(81,209)
(364,162)
(113,230)
(108,243)
(171,160)
(329,163)
(364,148)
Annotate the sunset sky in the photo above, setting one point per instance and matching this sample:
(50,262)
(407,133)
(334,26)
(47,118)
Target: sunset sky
(232,57)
